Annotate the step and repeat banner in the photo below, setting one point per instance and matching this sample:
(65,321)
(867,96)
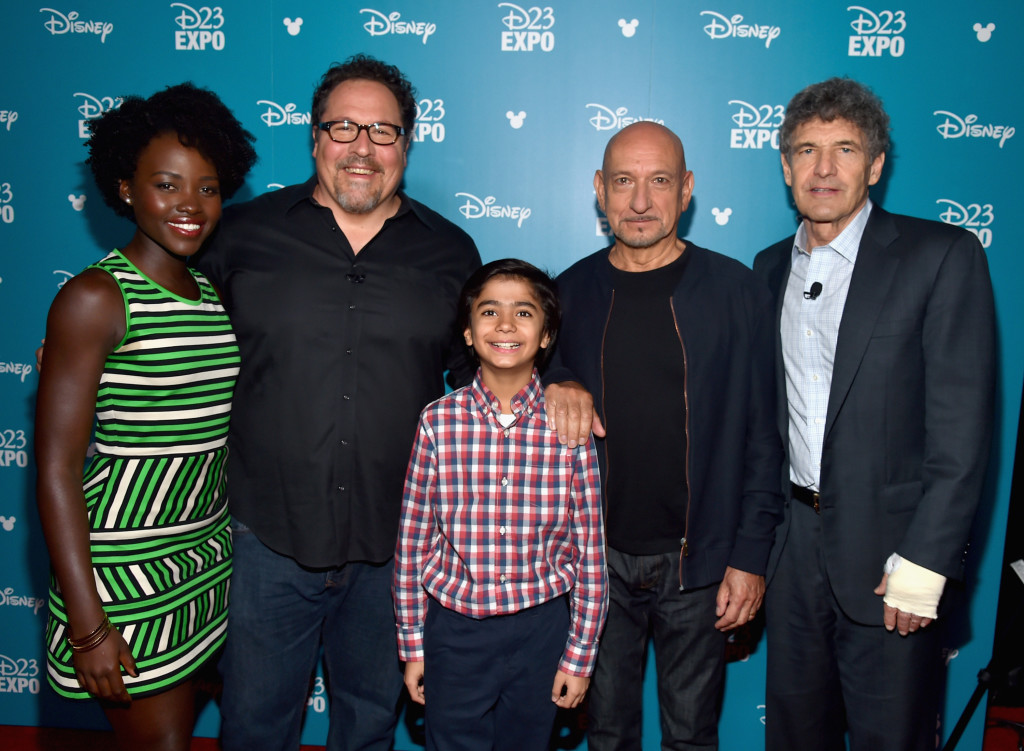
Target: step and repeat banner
(516,102)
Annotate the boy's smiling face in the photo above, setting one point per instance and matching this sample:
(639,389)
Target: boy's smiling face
(506,327)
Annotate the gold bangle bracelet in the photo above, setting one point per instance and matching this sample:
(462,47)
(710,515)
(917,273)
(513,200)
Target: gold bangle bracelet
(92,640)
(95,643)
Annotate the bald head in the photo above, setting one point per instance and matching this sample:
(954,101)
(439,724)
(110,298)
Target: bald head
(643,187)
(648,135)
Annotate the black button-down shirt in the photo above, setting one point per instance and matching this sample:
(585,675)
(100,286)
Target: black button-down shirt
(340,352)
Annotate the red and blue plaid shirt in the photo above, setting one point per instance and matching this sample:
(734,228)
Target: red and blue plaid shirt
(496,520)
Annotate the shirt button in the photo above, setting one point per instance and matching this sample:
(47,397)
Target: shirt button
(813,378)
(504,481)
(506,432)
(501,530)
(346,397)
(351,307)
(809,332)
(341,488)
(348,351)
(344,442)
(502,578)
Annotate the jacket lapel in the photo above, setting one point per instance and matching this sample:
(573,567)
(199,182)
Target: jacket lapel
(870,285)
(777,279)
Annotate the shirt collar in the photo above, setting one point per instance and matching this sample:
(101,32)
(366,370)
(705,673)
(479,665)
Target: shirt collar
(526,401)
(846,243)
(406,204)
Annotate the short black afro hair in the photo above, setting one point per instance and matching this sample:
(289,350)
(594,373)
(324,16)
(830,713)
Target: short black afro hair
(198,116)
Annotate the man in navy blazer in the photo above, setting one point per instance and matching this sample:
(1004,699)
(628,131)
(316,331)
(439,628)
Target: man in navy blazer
(886,372)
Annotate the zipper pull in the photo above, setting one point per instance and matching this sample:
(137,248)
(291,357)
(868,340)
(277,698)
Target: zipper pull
(682,554)
(686,549)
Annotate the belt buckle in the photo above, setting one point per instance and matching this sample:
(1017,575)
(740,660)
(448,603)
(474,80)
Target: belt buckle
(808,497)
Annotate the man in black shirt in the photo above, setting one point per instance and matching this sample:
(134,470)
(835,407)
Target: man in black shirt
(342,293)
(675,342)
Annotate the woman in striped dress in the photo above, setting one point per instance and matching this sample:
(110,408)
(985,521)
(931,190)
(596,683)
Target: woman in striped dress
(141,548)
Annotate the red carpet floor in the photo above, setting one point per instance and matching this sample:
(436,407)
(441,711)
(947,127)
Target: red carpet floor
(14,738)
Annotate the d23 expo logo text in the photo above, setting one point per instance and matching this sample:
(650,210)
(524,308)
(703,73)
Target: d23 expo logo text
(6,203)
(18,676)
(13,448)
(757,126)
(876,34)
(429,120)
(317,699)
(91,107)
(976,218)
(198,28)
(527,29)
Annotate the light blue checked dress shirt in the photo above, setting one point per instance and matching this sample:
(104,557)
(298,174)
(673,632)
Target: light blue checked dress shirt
(810,329)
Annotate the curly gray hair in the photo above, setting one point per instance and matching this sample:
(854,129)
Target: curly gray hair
(835,98)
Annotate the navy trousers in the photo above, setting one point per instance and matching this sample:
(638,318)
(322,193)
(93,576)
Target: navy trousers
(828,674)
(487,682)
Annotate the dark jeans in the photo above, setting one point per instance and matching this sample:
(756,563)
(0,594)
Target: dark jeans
(826,672)
(487,682)
(689,655)
(278,615)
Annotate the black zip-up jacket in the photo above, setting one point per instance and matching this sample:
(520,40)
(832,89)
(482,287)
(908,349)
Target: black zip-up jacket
(725,317)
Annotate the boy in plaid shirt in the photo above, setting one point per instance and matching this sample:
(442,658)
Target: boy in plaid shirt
(500,575)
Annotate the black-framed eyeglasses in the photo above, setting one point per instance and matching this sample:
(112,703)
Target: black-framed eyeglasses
(346,131)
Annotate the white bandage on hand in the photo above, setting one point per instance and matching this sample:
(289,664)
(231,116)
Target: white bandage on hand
(912,588)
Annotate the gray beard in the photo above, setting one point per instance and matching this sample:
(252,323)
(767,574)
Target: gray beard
(641,242)
(352,206)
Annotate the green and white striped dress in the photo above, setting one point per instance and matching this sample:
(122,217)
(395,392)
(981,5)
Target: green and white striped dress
(155,490)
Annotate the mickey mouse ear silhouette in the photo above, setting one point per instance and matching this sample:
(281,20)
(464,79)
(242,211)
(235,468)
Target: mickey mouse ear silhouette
(515,119)
(628,27)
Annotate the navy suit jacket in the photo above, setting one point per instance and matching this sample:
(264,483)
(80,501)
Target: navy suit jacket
(909,417)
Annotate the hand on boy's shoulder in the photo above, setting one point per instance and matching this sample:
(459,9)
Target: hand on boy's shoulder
(570,412)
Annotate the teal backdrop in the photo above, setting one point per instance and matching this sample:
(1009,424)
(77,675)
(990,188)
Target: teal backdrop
(516,103)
